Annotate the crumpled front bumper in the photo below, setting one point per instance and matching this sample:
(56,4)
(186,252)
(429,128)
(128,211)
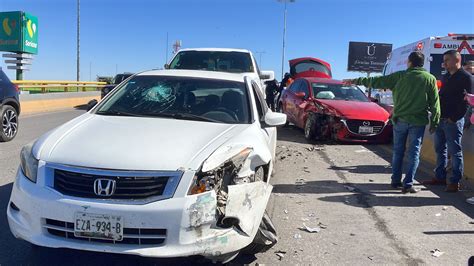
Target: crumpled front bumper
(189,222)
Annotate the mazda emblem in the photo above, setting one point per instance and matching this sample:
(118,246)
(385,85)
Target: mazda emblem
(366,123)
(104,187)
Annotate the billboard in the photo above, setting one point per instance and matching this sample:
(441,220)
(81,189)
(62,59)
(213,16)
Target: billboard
(18,32)
(367,56)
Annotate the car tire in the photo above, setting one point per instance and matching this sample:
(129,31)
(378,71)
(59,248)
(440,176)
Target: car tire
(9,118)
(265,238)
(280,110)
(310,128)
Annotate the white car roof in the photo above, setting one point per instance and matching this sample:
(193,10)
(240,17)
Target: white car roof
(216,50)
(239,77)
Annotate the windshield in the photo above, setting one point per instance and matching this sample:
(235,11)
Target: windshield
(234,62)
(338,92)
(209,100)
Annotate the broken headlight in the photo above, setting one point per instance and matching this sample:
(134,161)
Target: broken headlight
(212,174)
(29,164)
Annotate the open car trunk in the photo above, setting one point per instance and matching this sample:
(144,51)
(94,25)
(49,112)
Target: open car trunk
(310,67)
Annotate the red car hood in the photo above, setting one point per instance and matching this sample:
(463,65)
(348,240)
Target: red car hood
(356,110)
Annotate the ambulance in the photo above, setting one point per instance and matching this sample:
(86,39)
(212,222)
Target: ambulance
(433,49)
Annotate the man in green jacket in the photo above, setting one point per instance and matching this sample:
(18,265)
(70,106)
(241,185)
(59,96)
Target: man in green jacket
(415,94)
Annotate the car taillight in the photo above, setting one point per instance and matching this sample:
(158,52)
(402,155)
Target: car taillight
(439,84)
(16,88)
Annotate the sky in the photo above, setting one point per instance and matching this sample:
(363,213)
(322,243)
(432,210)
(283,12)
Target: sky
(130,36)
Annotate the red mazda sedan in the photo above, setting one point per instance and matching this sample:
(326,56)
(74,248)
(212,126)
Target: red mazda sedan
(326,109)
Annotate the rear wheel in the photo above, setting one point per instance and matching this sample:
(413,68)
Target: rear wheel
(9,117)
(310,127)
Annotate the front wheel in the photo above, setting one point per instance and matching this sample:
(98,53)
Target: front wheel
(265,238)
(310,127)
(9,123)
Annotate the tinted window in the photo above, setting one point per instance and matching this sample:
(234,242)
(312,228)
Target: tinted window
(259,100)
(309,66)
(338,92)
(180,97)
(234,62)
(121,77)
(294,87)
(304,88)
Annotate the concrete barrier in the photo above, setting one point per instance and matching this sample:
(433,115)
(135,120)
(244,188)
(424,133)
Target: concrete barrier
(38,103)
(428,152)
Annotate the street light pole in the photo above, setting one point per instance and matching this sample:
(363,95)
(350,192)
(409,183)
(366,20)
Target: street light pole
(78,35)
(284,36)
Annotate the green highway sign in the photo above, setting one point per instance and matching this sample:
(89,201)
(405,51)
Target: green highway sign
(18,32)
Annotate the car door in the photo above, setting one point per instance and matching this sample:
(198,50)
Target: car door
(289,100)
(301,103)
(269,133)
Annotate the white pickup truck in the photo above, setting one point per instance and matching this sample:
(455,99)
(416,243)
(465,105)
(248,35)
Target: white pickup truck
(221,60)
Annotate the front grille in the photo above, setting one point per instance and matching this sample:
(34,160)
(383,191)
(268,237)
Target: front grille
(131,236)
(353,126)
(127,187)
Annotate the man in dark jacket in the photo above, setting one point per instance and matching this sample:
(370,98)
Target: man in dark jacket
(270,92)
(414,95)
(448,136)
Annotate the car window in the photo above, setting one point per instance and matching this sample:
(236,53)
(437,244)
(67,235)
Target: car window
(262,108)
(180,97)
(338,92)
(304,88)
(310,66)
(295,86)
(234,62)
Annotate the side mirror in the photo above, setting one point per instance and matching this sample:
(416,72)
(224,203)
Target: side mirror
(167,66)
(274,119)
(91,104)
(375,100)
(300,94)
(267,75)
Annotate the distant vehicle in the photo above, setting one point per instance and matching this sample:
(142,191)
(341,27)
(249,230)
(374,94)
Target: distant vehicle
(9,108)
(328,110)
(433,49)
(115,81)
(222,60)
(309,67)
(179,165)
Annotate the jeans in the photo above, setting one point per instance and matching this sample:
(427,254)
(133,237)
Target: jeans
(403,132)
(448,137)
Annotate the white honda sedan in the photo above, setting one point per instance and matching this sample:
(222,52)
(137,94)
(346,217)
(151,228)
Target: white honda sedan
(171,163)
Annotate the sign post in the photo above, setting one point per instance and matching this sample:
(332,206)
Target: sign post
(368,58)
(19,35)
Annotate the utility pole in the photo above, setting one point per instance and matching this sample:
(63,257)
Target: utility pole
(284,36)
(78,35)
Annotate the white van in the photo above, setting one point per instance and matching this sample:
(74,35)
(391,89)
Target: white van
(433,49)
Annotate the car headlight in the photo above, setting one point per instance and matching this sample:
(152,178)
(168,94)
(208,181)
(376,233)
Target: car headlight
(29,164)
(207,180)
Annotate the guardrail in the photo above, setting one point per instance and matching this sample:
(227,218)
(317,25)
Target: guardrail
(44,86)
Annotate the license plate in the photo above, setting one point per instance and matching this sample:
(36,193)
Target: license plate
(366,130)
(98,226)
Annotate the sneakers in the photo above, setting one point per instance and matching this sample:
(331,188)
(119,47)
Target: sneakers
(410,190)
(452,188)
(435,182)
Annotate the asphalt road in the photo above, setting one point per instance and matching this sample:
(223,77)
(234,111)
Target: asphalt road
(344,190)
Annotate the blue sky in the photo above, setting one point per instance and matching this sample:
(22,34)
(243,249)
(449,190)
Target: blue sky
(131,35)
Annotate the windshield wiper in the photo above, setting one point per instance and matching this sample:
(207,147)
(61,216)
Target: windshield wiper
(185,116)
(116,113)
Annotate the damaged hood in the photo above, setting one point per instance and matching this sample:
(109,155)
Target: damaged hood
(133,143)
(356,110)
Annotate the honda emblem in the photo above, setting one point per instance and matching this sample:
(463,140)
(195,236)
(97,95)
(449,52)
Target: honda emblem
(104,187)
